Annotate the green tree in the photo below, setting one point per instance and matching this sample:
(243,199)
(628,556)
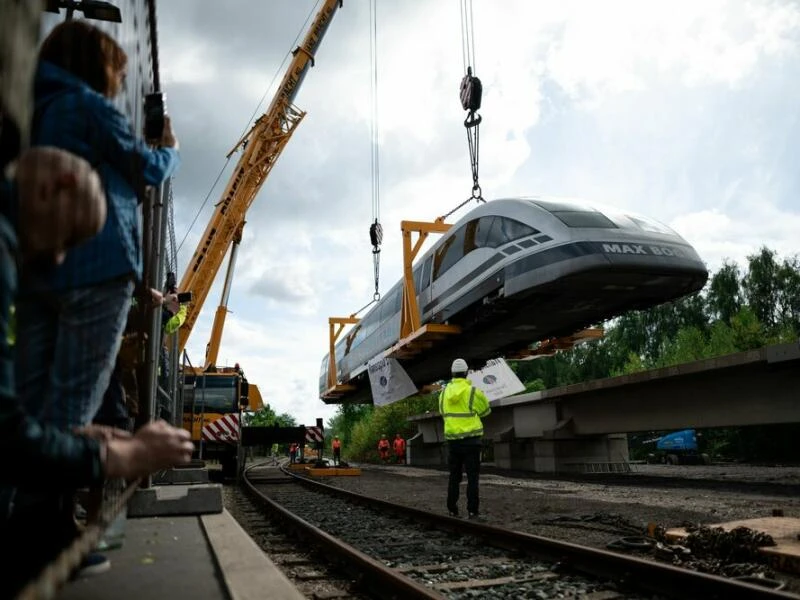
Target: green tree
(285,420)
(761,286)
(789,293)
(689,345)
(264,417)
(724,296)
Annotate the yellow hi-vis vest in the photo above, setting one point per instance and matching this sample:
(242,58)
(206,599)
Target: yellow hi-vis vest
(462,405)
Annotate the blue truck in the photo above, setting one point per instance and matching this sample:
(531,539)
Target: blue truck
(678,448)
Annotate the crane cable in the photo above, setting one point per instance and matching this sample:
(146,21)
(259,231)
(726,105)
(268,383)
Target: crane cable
(375,229)
(470,93)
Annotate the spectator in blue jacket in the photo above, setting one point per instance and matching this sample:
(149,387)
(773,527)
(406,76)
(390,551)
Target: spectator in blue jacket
(70,319)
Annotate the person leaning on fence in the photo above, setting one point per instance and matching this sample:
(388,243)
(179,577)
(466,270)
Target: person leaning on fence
(462,405)
(63,205)
(74,314)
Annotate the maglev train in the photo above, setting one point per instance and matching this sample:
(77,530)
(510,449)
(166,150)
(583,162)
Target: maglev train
(515,271)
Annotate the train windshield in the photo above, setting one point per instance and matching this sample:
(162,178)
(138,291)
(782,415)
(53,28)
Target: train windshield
(213,393)
(576,214)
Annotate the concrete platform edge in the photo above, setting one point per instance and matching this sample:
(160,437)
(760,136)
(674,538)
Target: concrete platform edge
(248,572)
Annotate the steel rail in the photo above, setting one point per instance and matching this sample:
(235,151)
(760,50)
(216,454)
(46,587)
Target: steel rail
(627,571)
(382,580)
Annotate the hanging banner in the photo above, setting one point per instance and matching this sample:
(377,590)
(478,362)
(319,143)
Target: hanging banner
(389,381)
(496,380)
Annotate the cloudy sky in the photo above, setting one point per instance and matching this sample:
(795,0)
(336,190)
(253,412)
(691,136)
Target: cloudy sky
(683,111)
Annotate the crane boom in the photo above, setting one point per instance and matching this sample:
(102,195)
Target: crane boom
(261,147)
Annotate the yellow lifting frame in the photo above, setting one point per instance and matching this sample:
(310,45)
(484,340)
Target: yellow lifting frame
(415,337)
(409,315)
(335,326)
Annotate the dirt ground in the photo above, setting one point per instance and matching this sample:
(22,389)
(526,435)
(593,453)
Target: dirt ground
(598,509)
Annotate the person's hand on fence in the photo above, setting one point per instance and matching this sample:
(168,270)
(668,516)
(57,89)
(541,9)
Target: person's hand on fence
(156,298)
(168,139)
(154,447)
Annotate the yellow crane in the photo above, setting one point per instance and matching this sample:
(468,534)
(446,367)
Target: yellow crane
(261,146)
(213,397)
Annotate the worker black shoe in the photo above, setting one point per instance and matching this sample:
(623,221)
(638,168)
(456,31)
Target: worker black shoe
(476,517)
(454,514)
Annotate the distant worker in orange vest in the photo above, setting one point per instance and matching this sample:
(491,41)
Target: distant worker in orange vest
(383,448)
(336,446)
(399,449)
(292,452)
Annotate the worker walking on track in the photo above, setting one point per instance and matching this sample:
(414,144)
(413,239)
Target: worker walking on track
(383,448)
(336,446)
(462,405)
(399,445)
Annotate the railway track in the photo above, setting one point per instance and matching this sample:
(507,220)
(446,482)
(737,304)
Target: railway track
(393,551)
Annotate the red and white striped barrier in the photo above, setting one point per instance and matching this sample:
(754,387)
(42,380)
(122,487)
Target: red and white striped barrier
(225,429)
(314,434)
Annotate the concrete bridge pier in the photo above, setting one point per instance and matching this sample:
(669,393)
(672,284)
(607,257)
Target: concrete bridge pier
(560,453)
(421,454)
(555,450)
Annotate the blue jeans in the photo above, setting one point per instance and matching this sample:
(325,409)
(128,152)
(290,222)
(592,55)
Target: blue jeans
(67,345)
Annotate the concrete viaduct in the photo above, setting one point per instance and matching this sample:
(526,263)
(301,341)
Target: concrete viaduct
(583,427)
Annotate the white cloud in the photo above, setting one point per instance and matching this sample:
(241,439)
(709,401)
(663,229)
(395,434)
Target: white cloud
(718,236)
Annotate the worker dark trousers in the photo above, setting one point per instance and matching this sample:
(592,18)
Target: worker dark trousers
(337,456)
(464,455)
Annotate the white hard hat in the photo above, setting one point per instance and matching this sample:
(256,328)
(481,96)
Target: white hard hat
(459,366)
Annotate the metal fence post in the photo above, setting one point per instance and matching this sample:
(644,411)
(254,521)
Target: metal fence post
(153,242)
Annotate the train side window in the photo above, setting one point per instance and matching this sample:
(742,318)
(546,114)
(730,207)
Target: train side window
(494,237)
(418,279)
(470,233)
(450,252)
(369,324)
(504,230)
(426,272)
(484,225)
(358,335)
(390,305)
(513,230)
